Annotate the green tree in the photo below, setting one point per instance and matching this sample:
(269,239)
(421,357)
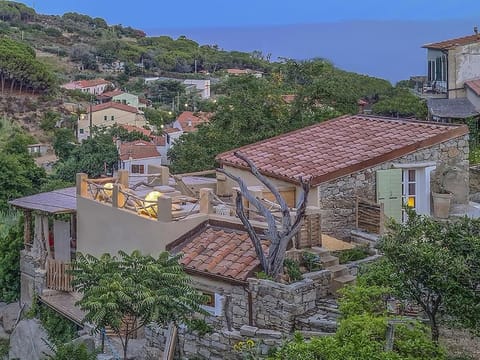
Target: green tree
(144,288)
(11,242)
(362,334)
(20,175)
(63,142)
(94,156)
(402,103)
(434,264)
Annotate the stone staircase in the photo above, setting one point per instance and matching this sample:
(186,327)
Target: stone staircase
(340,273)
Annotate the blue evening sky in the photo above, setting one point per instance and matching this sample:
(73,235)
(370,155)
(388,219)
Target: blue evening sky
(147,14)
(380,38)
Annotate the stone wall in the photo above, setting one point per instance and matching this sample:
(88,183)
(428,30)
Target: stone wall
(474,181)
(275,308)
(276,305)
(216,345)
(337,197)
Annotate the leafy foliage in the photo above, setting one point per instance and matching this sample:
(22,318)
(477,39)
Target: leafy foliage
(59,329)
(19,66)
(11,242)
(71,352)
(357,253)
(362,334)
(94,156)
(145,288)
(435,264)
(401,102)
(293,270)
(20,175)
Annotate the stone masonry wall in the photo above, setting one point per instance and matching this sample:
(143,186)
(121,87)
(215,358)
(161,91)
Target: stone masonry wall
(337,197)
(275,308)
(275,305)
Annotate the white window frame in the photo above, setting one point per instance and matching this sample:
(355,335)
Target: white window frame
(422,184)
(217,309)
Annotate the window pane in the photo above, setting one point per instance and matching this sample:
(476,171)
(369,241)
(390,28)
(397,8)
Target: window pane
(411,189)
(411,201)
(411,175)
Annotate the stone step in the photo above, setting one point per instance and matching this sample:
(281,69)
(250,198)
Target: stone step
(338,270)
(340,282)
(363,238)
(313,334)
(320,251)
(328,261)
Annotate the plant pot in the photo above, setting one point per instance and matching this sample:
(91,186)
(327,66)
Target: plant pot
(441,205)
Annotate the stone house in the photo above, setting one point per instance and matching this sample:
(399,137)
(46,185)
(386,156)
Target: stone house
(107,114)
(384,161)
(136,156)
(217,254)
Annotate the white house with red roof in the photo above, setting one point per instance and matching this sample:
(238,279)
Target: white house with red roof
(94,87)
(189,121)
(385,161)
(135,156)
(108,114)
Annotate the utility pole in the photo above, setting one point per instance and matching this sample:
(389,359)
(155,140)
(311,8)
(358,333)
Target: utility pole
(91,121)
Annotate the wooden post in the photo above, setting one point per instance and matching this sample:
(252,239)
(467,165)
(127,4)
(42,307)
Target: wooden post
(27,229)
(123,177)
(118,200)
(164,209)
(81,184)
(206,206)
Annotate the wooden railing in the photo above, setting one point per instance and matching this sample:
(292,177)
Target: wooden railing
(370,216)
(57,276)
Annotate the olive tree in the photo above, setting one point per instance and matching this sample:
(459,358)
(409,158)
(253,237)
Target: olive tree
(277,235)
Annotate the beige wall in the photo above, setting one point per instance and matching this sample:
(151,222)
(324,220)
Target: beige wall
(463,65)
(98,119)
(251,180)
(104,229)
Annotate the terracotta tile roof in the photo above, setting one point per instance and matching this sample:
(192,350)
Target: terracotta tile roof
(90,83)
(189,120)
(474,85)
(171,130)
(237,71)
(158,140)
(220,251)
(138,149)
(290,98)
(449,44)
(111,93)
(115,105)
(131,128)
(340,146)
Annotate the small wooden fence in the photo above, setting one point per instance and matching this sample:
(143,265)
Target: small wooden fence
(57,276)
(370,216)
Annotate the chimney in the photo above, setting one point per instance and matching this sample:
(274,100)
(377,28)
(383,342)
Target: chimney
(475,30)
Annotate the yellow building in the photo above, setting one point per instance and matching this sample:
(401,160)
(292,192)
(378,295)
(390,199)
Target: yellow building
(107,114)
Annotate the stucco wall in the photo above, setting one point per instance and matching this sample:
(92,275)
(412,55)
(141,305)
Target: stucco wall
(337,197)
(474,98)
(130,99)
(104,229)
(463,65)
(98,119)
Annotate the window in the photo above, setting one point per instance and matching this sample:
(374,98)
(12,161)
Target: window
(409,184)
(113,117)
(81,131)
(105,118)
(138,169)
(213,303)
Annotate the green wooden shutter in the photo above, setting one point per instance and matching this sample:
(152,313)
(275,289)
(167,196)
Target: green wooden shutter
(389,192)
